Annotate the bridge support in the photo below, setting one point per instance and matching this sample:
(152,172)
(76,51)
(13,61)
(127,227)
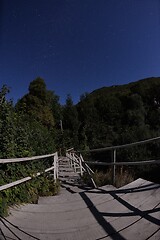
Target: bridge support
(114,166)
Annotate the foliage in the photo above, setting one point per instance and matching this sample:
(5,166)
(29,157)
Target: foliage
(108,116)
(70,124)
(105,177)
(38,103)
(23,134)
(119,115)
(27,192)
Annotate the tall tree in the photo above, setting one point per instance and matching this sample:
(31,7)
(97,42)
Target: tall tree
(7,125)
(36,103)
(70,123)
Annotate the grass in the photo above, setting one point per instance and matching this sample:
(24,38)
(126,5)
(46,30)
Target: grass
(123,177)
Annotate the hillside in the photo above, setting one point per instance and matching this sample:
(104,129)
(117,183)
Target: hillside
(108,116)
(133,87)
(121,114)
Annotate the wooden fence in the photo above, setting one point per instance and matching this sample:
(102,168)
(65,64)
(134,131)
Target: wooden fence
(114,149)
(79,165)
(54,168)
(77,162)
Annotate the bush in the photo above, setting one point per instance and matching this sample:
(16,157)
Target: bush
(123,177)
(28,192)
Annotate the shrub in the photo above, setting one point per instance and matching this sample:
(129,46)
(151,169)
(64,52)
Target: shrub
(28,192)
(123,177)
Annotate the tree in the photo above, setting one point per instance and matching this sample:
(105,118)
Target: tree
(37,103)
(134,110)
(38,88)
(7,126)
(56,108)
(4,90)
(70,123)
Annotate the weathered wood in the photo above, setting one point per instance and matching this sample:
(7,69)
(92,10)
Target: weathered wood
(123,163)
(78,162)
(122,146)
(9,185)
(70,149)
(15,160)
(55,166)
(15,183)
(131,212)
(114,166)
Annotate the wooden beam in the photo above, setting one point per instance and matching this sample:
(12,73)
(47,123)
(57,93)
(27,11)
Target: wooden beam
(14,160)
(9,185)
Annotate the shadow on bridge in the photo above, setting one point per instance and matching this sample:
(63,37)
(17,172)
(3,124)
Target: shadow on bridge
(100,219)
(133,211)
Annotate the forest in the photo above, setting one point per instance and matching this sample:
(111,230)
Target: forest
(38,124)
(106,117)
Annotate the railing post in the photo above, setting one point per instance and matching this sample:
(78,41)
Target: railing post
(114,166)
(80,163)
(74,163)
(89,174)
(55,167)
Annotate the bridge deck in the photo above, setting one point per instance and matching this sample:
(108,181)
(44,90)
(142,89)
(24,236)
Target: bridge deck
(131,212)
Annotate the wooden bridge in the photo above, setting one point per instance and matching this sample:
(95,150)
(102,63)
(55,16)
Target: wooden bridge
(80,212)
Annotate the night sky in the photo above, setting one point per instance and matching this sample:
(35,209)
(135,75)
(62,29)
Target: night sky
(77,46)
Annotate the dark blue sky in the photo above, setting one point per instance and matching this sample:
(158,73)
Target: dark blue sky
(77,46)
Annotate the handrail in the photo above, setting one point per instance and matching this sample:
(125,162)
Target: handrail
(15,160)
(78,162)
(75,161)
(15,183)
(123,163)
(114,149)
(70,149)
(121,146)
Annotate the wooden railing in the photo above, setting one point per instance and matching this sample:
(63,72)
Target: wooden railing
(79,165)
(54,168)
(114,149)
(75,161)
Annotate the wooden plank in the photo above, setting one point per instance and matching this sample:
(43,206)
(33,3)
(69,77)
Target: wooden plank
(13,160)
(123,163)
(122,146)
(9,185)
